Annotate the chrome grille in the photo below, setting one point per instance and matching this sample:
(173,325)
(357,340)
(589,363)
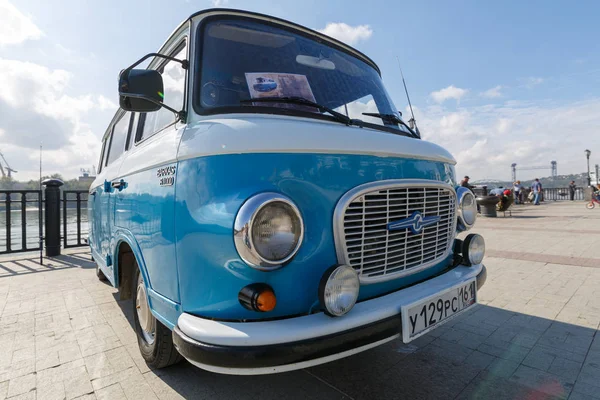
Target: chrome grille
(364,242)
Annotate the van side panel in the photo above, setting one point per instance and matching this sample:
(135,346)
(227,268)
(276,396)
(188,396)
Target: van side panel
(146,208)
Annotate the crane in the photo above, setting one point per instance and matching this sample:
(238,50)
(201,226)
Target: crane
(7,167)
(553,168)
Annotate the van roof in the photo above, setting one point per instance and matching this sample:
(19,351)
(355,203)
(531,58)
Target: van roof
(283,21)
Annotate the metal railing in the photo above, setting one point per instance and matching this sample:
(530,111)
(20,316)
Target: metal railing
(16,202)
(548,194)
(556,194)
(24,218)
(72,200)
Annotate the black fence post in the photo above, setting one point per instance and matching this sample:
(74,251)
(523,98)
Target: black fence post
(52,234)
(8,222)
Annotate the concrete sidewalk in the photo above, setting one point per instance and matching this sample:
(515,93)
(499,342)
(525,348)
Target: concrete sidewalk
(63,334)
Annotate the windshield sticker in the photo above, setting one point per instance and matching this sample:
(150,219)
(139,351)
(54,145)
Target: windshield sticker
(270,84)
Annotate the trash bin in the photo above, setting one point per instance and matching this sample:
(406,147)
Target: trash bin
(487,205)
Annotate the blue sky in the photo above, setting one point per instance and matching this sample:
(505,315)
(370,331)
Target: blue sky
(494,82)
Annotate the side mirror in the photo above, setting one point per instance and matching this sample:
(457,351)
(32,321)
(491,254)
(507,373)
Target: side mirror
(140,90)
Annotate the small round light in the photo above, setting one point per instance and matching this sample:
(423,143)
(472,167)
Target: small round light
(276,231)
(266,301)
(257,297)
(474,248)
(467,207)
(338,290)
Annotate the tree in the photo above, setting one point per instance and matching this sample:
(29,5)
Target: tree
(7,183)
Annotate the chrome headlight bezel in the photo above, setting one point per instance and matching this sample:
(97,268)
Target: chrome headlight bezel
(242,231)
(463,193)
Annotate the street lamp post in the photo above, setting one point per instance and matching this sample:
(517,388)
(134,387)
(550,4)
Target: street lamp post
(587,154)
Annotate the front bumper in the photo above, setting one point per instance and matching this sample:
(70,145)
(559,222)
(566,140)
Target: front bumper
(252,348)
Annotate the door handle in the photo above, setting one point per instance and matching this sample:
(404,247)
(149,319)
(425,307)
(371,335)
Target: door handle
(119,185)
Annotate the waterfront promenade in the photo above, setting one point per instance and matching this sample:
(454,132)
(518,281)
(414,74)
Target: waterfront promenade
(63,334)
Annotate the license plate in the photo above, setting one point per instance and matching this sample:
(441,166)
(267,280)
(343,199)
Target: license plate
(420,317)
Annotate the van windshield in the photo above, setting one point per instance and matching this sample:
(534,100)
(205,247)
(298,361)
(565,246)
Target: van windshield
(244,59)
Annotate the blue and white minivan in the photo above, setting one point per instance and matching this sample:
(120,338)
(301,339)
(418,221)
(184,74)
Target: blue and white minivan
(264,205)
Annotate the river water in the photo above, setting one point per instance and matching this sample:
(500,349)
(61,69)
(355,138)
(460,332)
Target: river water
(32,227)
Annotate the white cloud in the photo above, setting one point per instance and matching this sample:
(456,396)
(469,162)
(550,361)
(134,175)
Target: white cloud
(219,3)
(493,92)
(15,27)
(104,103)
(450,92)
(504,124)
(533,81)
(453,124)
(486,140)
(346,33)
(36,107)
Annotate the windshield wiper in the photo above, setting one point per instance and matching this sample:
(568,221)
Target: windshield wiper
(302,101)
(393,119)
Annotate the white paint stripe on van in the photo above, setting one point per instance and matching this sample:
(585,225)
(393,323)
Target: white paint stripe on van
(254,133)
(291,367)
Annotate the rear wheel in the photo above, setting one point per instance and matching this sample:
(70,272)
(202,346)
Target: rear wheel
(590,205)
(154,339)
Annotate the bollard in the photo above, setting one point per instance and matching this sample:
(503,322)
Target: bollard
(487,204)
(588,192)
(52,220)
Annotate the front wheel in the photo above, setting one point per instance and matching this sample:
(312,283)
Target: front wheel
(590,205)
(154,339)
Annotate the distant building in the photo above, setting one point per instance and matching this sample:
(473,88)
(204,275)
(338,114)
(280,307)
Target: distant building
(86,177)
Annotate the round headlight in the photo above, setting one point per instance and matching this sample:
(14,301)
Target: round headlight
(338,290)
(474,248)
(467,207)
(268,231)
(276,231)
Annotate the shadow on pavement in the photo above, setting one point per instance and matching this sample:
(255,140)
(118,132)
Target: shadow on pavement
(528,216)
(487,353)
(31,264)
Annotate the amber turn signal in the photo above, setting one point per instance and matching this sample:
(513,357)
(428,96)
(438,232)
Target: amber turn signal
(258,297)
(266,301)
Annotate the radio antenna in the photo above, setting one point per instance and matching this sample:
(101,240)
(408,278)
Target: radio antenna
(41,238)
(413,121)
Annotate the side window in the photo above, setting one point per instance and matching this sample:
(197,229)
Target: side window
(132,131)
(119,136)
(102,153)
(174,87)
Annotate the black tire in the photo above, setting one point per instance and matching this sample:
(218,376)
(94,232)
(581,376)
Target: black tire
(100,274)
(161,352)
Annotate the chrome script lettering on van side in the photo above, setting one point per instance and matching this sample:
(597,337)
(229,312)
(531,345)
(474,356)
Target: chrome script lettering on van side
(166,175)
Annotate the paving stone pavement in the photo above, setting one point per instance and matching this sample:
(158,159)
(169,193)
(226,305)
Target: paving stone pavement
(64,334)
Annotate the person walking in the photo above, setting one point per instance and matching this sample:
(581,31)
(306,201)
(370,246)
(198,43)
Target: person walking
(517,189)
(572,190)
(536,188)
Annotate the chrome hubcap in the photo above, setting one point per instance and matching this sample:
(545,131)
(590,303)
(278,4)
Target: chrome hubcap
(145,317)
